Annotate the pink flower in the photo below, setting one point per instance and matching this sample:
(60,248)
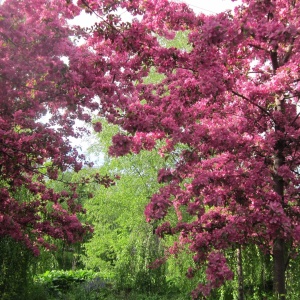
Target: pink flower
(97,126)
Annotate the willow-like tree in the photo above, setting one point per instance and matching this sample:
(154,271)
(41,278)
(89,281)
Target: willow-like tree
(230,102)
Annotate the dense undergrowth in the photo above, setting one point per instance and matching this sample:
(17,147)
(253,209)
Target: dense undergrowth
(87,285)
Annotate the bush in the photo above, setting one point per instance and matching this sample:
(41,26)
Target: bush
(58,282)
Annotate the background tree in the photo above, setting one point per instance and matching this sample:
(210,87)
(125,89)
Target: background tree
(123,244)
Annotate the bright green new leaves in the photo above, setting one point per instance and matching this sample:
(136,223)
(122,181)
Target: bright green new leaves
(123,244)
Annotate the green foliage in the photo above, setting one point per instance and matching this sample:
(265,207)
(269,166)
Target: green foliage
(143,296)
(180,41)
(123,244)
(292,276)
(176,273)
(15,269)
(58,282)
(67,256)
(258,272)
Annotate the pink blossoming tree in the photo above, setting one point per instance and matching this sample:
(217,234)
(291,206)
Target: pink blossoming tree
(227,109)
(39,76)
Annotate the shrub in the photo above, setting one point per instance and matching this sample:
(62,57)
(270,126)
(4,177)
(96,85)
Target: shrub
(58,282)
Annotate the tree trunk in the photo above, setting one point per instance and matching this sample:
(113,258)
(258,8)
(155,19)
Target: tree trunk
(279,269)
(279,243)
(240,273)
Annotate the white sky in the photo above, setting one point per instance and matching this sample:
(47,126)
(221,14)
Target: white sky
(210,6)
(203,6)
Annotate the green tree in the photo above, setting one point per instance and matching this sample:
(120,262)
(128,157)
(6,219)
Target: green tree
(123,244)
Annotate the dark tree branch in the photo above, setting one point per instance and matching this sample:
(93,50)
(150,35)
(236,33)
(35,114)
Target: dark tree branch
(252,102)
